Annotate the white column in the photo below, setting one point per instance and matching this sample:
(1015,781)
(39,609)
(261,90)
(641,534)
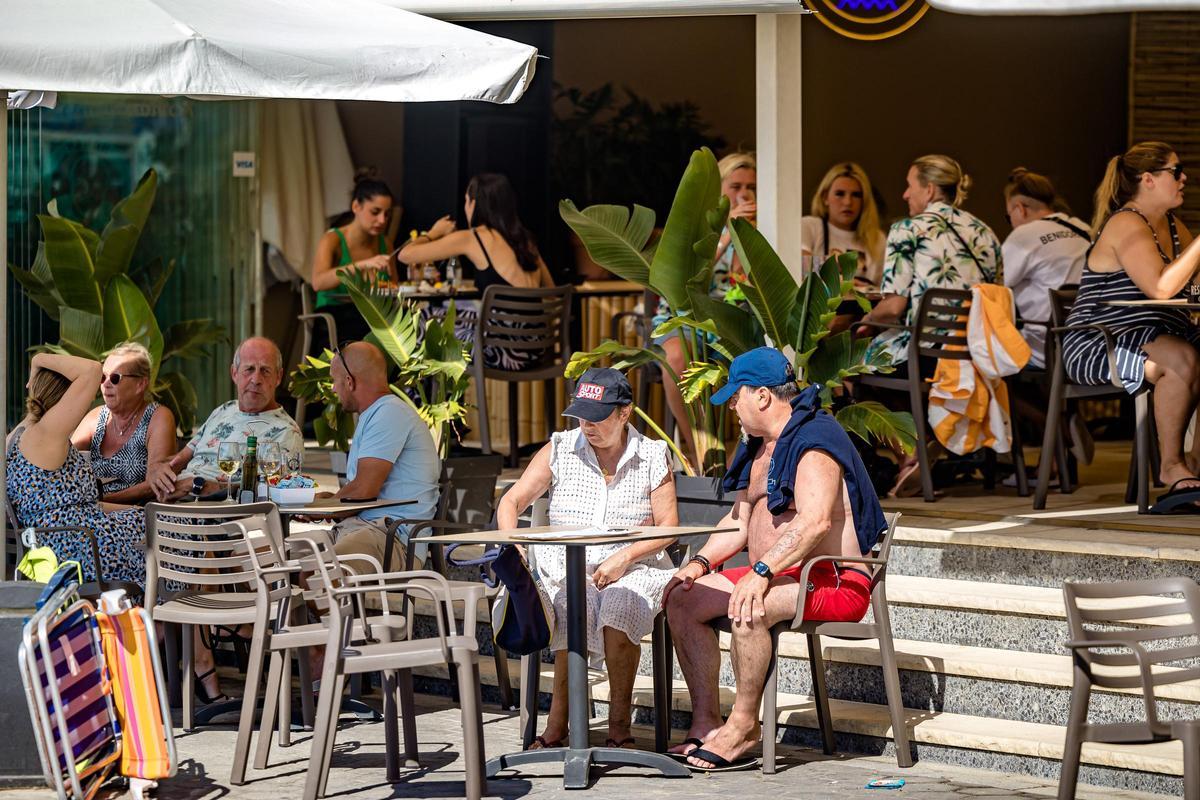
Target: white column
(3,303)
(777,122)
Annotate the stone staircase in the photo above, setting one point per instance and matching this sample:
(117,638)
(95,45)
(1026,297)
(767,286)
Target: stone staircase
(978,621)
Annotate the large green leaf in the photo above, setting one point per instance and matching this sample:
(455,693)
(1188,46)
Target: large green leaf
(188,339)
(615,238)
(445,355)
(737,329)
(38,283)
(701,376)
(120,236)
(129,318)
(820,295)
(152,277)
(394,323)
(71,265)
(176,392)
(91,239)
(771,290)
(81,333)
(675,258)
(839,357)
(624,357)
(873,422)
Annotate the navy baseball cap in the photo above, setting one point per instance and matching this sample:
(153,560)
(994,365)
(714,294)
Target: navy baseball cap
(599,391)
(762,366)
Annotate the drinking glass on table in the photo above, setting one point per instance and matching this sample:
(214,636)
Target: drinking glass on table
(270,461)
(229,461)
(293,463)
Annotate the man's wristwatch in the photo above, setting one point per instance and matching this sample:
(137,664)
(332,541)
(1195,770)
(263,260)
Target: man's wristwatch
(197,486)
(761,569)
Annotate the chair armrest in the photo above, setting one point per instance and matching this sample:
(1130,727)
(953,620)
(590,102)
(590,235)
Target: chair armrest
(88,534)
(435,586)
(1144,667)
(798,620)
(325,317)
(892,325)
(1110,345)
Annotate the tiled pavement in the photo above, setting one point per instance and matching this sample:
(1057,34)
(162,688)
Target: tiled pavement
(358,768)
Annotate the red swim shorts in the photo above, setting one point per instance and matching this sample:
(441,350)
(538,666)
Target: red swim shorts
(834,595)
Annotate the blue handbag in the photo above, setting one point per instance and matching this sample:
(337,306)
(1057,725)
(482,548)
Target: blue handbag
(522,614)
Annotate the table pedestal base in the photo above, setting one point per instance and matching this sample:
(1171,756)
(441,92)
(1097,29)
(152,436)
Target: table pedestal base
(577,763)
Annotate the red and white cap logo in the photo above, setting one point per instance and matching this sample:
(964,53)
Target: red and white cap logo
(590,391)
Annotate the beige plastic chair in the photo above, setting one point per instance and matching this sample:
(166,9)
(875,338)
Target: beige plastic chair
(1132,635)
(211,559)
(285,630)
(880,629)
(449,648)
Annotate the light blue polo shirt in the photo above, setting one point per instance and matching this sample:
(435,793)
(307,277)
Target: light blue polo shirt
(390,429)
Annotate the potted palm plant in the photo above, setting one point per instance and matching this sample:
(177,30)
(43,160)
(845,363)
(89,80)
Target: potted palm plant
(84,281)
(429,366)
(678,266)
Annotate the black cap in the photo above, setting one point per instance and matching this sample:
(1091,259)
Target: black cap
(599,391)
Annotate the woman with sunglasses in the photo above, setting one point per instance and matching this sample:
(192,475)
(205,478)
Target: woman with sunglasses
(126,432)
(1142,252)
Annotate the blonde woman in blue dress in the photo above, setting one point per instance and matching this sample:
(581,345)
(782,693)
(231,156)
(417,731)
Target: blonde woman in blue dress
(602,474)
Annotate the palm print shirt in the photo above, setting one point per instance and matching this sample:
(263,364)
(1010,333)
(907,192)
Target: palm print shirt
(923,253)
(228,423)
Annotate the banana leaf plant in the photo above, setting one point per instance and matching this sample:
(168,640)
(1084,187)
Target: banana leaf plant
(429,367)
(679,268)
(83,280)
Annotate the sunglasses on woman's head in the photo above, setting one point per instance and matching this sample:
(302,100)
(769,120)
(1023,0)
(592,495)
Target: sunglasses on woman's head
(115,377)
(1175,171)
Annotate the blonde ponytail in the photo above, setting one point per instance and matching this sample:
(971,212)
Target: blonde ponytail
(946,174)
(1123,176)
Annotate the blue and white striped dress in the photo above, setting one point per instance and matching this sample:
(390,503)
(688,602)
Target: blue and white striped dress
(1084,353)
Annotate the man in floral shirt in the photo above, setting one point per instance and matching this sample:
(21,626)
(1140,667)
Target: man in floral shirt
(257,370)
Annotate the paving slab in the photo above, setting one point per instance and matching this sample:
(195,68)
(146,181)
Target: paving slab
(358,771)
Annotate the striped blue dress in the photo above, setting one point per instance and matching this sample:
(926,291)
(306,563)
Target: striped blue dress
(1084,353)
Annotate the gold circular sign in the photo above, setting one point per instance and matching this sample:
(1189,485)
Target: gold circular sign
(868,20)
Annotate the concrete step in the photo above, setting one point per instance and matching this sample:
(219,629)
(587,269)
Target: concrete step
(1036,553)
(1025,747)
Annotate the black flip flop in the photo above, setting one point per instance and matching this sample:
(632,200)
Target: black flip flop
(1178,501)
(547,745)
(720,764)
(690,740)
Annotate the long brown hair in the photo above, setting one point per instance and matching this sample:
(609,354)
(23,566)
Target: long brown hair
(45,390)
(1123,175)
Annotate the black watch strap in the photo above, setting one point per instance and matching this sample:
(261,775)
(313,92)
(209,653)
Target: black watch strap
(761,568)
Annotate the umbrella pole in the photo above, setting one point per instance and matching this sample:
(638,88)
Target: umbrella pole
(4,309)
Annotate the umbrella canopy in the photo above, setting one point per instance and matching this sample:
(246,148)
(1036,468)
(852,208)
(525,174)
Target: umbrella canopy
(315,49)
(1061,7)
(311,49)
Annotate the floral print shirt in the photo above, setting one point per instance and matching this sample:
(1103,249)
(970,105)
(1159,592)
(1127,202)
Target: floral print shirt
(924,253)
(228,423)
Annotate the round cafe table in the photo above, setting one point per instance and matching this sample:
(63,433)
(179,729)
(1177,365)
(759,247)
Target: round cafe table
(577,757)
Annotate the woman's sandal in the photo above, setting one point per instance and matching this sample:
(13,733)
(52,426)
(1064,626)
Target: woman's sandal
(202,693)
(690,740)
(543,744)
(720,764)
(613,743)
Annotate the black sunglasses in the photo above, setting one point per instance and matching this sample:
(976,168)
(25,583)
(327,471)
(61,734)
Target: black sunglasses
(1175,171)
(115,377)
(337,351)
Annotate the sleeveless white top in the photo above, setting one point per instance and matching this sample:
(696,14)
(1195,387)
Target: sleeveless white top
(580,496)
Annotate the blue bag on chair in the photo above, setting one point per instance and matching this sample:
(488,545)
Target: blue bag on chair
(522,614)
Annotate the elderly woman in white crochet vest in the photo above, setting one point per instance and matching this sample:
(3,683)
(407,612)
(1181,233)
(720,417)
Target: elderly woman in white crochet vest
(602,474)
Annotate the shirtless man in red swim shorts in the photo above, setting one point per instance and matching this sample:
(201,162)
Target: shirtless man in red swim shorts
(802,492)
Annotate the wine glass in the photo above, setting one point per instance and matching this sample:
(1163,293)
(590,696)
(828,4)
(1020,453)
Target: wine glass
(295,460)
(270,461)
(229,461)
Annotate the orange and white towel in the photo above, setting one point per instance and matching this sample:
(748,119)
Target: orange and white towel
(968,401)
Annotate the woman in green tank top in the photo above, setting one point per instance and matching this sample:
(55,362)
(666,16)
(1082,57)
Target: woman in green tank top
(360,245)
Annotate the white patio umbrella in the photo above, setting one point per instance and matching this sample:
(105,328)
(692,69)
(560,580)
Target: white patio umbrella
(1061,7)
(308,49)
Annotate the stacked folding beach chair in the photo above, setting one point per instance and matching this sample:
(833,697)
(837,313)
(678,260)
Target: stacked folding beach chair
(95,693)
